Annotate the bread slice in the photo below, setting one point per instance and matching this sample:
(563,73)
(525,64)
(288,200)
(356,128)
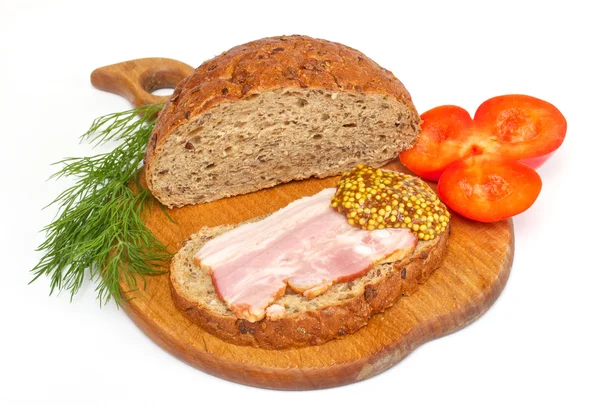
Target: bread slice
(272,111)
(343,309)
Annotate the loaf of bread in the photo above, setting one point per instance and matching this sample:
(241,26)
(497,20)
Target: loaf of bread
(272,111)
(343,309)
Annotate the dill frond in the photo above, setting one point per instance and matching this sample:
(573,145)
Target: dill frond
(99,224)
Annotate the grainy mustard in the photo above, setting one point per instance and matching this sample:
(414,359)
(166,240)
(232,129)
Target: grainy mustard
(374,199)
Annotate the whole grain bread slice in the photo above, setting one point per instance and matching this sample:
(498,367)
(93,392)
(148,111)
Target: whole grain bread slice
(275,110)
(343,309)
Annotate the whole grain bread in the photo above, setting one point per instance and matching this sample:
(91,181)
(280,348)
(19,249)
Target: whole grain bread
(343,309)
(275,110)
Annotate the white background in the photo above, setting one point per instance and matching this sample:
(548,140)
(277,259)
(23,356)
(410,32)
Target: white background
(539,342)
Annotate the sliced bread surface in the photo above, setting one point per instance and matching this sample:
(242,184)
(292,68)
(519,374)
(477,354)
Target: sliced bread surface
(343,309)
(272,111)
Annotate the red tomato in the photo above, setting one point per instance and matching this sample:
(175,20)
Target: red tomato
(444,138)
(513,127)
(488,189)
(519,127)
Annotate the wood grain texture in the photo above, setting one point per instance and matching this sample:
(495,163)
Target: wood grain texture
(135,80)
(473,274)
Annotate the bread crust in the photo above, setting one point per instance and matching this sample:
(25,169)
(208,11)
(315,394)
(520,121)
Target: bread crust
(271,63)
(313,327)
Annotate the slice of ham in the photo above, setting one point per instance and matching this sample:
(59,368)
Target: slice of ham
(307,246)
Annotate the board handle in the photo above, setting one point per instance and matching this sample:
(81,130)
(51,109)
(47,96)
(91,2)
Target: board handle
(135,80)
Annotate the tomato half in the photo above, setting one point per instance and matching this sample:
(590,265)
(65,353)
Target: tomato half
(513,127)
(520,127)
(445,132)
(488,189)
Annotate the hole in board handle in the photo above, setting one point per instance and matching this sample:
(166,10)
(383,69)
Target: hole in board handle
(165,91)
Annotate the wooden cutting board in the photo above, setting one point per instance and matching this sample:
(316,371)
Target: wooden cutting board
(472,276)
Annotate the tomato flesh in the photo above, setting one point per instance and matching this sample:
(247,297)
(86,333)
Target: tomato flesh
(512,127)
(489,189)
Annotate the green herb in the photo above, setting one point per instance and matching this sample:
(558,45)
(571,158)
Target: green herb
(99,222)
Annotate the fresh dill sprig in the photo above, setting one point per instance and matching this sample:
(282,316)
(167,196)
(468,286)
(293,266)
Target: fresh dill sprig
(99,224)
